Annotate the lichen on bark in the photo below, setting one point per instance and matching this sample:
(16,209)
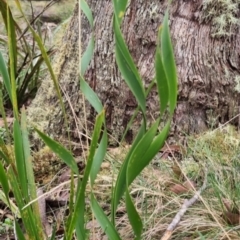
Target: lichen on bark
(222,15)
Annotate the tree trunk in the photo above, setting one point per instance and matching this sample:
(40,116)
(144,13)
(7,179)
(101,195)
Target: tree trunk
(207,58)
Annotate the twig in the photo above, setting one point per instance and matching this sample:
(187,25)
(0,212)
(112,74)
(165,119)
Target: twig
(203,201)
(187,203)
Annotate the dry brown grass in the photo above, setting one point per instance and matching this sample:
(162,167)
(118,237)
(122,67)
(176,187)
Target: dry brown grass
(213,153)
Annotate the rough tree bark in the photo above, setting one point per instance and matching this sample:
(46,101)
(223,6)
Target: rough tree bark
(208,69)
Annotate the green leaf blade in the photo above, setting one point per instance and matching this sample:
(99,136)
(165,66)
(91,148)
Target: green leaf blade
(119,9)
(120,185)
(5,75)
(134,217)
(19,232)
(154,148)
(136,161)
(62,152)
(98,157)
(102,219)
(30,174)
(4,182)
(87,55)
(128,69)
(90,95)
(162,82)
(78,215)
(19,157)
(169,63)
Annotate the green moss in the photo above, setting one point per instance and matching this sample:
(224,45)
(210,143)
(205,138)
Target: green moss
(222,14)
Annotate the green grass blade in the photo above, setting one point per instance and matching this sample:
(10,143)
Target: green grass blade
(53,237)
(3,9)
(169,63)
(128,69)
(73,194)
(62,152)
(78,215)
(120,185)
(136,161)
(90,95)
(12,40)
(104,222)
(12,47)
(133,217)
(144,152)
(98,157)
(137,110)
(15,187)
(26,214)
(19,232)
(19,157)
(30,175)
(80,223)
(162,83)
(119,9)
(136,166)
(4,117)
(6,79)
(87,55)
(27,156)
(87,11)
(4,182)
